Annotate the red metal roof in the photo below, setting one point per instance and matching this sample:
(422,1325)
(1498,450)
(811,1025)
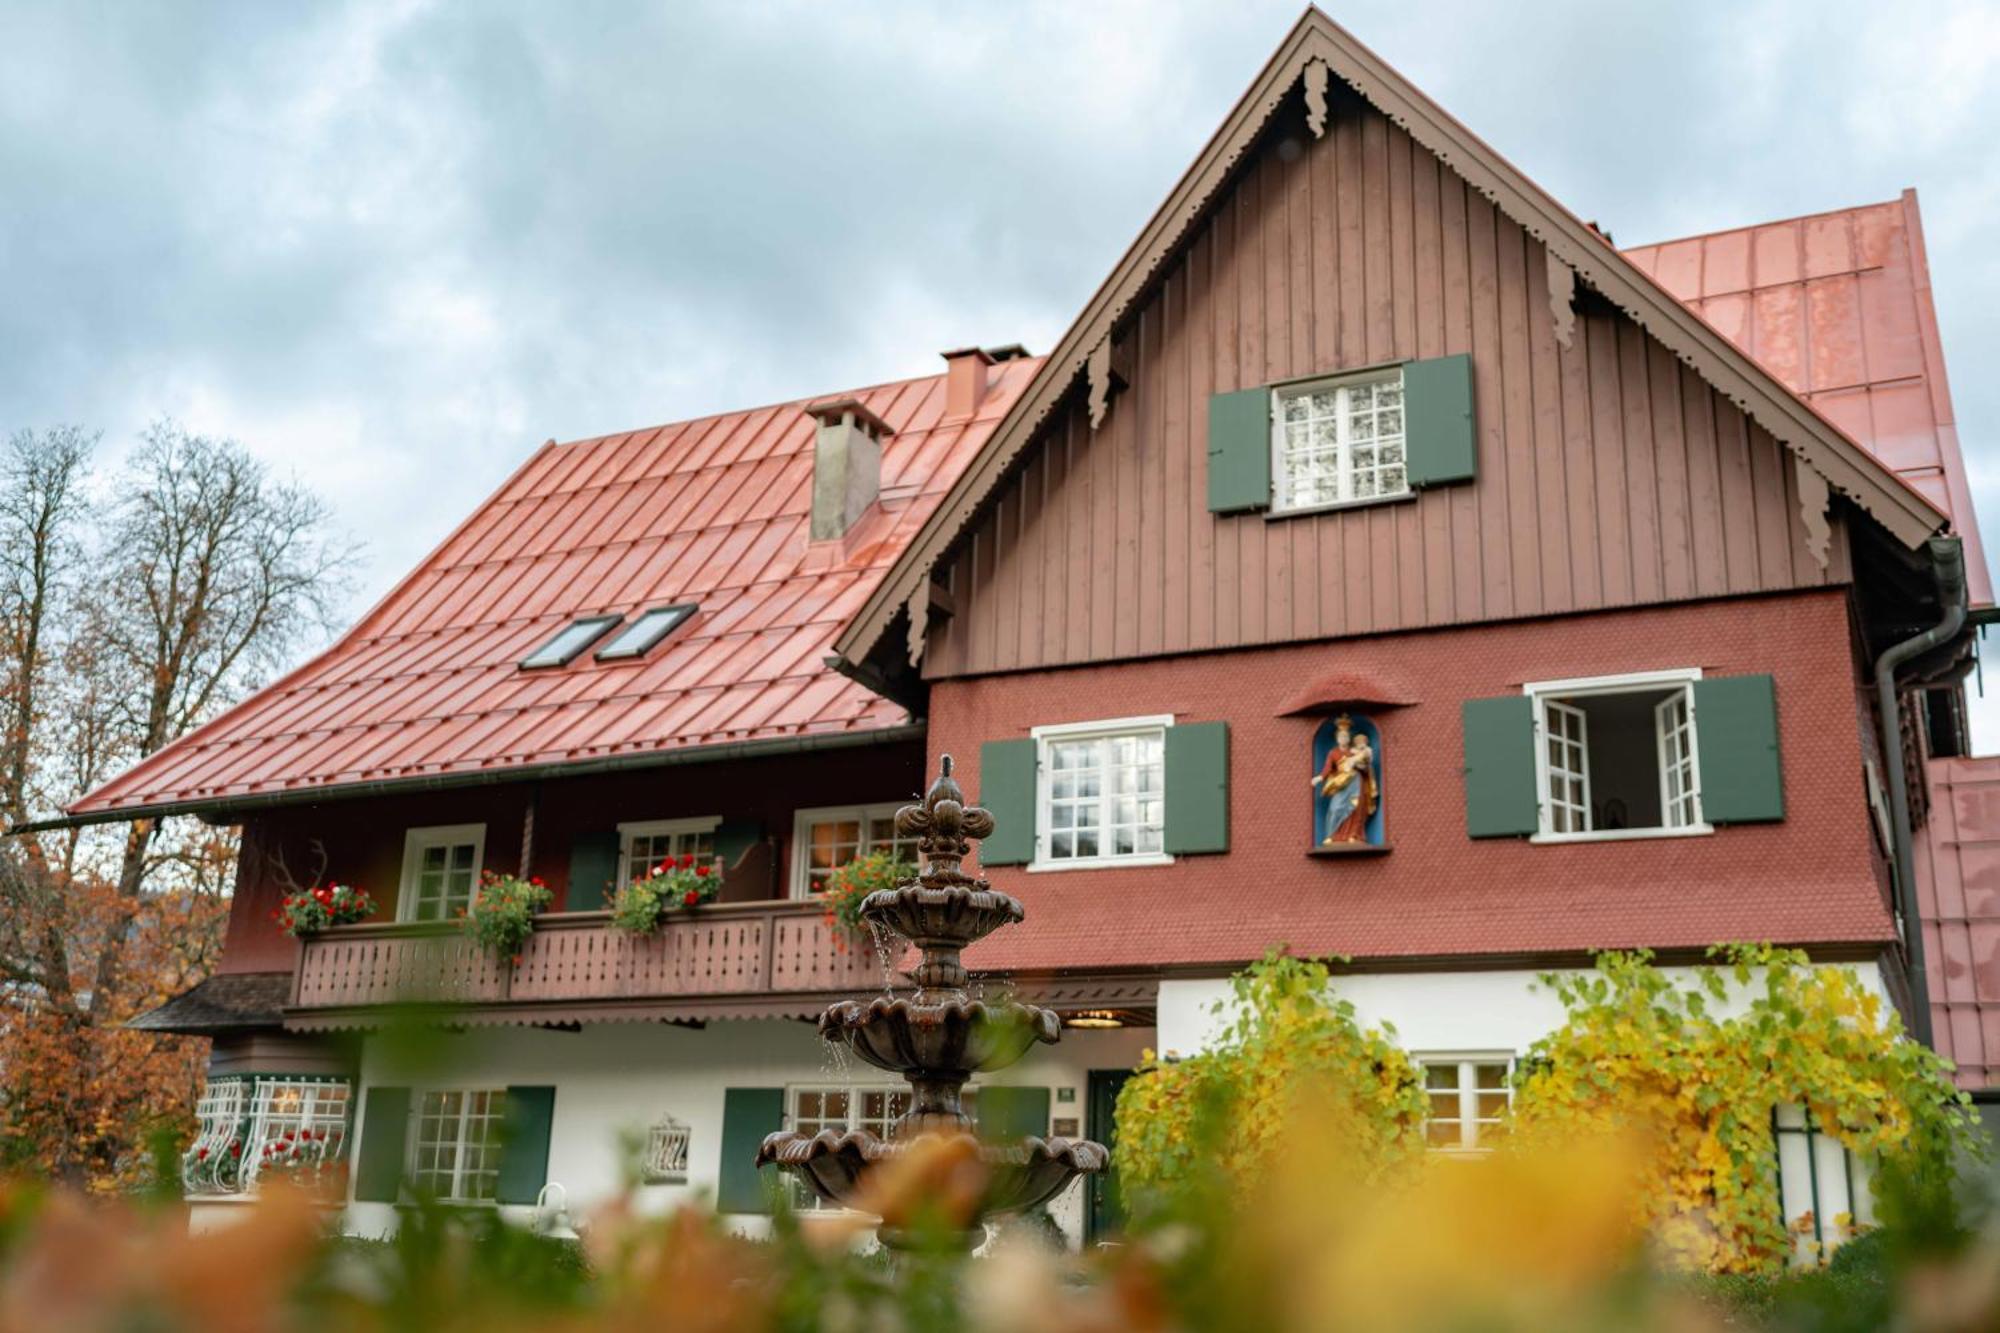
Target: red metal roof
(1838,307)
(713,511)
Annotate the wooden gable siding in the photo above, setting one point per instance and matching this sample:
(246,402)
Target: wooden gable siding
(1609,473)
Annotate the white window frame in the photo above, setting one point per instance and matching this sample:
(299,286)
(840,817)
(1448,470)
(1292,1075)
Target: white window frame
(1281,501)
(802,822)
(325,1107)
(1542,692)
(413,1139)
(661,828)
(1075,731)
(1469,1121)
(804,1198)
(416,841)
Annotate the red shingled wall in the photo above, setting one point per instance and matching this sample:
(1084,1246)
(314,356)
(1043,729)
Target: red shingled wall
(1811,879)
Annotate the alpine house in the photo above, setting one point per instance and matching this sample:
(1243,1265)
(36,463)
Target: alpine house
(1383,563)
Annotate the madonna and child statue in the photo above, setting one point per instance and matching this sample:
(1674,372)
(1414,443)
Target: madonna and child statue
(1348,785)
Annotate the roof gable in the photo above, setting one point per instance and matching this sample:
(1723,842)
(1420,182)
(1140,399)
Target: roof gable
(1315,50)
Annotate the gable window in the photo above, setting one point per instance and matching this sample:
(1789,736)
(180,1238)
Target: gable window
(638,638)
(643,846)
(826,839)
(1469,1097)
(440,870)
(1617,756)
(1338,442)
(1101,794)
(569,642)
(455,1152)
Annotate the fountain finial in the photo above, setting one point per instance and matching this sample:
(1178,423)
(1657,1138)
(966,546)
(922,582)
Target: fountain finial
(944,826)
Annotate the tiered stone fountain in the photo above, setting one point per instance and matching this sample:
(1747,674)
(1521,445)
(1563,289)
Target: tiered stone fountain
(938,1037)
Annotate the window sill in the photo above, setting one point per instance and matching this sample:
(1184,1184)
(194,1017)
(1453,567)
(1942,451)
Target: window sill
(1275,515)
(1336,851)
(1624,834)
(1103,863)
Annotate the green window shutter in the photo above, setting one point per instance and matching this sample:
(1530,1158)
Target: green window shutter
(1008,1114)
(593,870)
(734,838)
(1007,789)
(1500,800)
(748,1114)
(1736,744)
(1437,420)
(524,1144)
(1198,787)
(1239,450)
(378,1167)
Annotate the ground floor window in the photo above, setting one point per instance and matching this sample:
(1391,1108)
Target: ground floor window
(813,1108)
(260,1126)
(455,1152)
(1825,1191)
(1469,1098)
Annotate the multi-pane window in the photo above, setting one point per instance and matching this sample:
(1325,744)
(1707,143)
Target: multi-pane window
(1617,756)
(643,846)
(298,1127)
(1335,443)
(440,871)
(455,1151)
(1103,793)
(841,1109)
(1468,1100)
(1827,1193)
(213,1163)
(825,840)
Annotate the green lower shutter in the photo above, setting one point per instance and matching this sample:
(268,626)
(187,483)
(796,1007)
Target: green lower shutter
(734,838)
(1239,451)
(378,1166)
(1500,800)
(1007,789)
(524,1144)
(1440,442)
(1736,744)
(1007,1114)
(748,1114)
(1198,787)
(593,870)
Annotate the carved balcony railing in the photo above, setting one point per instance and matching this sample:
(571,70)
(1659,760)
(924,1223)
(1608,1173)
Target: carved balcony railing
(743,952)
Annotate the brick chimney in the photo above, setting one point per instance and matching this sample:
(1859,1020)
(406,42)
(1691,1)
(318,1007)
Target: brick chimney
(847,464)
(964,381)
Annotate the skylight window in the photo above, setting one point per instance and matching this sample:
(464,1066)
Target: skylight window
(638,638)
(570,641)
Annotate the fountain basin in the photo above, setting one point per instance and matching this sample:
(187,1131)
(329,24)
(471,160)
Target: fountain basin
(1011,1177)
(949,914)
(953,1036)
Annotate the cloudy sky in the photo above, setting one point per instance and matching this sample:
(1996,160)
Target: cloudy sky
(391,247)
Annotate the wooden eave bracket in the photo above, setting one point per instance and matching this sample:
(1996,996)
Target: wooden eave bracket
(931,601)
(1813,500)
(1318,74)
(1562,297)
(1108,370)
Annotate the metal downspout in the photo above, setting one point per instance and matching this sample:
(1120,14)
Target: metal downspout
(1948,565)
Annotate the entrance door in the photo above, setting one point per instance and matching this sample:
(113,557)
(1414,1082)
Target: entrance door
(1105,1213)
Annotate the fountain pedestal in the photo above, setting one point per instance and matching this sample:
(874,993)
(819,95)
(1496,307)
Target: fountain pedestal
(937,1038)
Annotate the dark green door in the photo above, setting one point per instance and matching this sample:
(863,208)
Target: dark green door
(1105,1214)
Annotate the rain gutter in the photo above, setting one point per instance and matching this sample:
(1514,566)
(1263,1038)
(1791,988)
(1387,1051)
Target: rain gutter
(1948,567)
(221,810)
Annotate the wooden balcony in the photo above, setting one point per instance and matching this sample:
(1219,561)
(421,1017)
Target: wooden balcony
(716,961)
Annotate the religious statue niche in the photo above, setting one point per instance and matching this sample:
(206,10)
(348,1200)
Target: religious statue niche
(1347,784)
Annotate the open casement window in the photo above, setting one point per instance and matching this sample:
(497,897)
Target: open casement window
(1469,1098)
(1617,756)
(643,846)
(440,870)
(1102,794)
(825,839)
(455,1144)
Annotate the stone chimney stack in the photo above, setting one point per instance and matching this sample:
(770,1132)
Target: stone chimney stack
(964,381)
(847,464)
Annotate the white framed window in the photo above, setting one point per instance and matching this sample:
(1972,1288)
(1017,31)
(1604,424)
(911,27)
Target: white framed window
(1469,1096)
(440,870)
(1615,757)
(455,1149)
(1101,794)
(813,1107)
(825,839)
(298,1126)
(1827,1193)
(644,845)
(1338,441)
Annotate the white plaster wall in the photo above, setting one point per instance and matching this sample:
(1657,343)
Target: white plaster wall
(613,1078)
(1431,1011)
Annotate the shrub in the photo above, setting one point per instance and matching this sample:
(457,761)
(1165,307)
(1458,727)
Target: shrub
(502,914)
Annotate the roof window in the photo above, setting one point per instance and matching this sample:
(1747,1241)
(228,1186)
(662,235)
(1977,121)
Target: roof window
(569,642)
(638,638)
